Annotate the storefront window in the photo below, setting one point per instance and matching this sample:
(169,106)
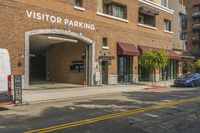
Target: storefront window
(144,73)
(175,69)
(124,69)
(169,72)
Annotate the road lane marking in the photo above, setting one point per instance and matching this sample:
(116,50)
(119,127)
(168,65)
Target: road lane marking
(111,116)
(151,115)
(173,107)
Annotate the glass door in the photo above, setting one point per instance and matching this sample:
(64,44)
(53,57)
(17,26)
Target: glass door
(124,69)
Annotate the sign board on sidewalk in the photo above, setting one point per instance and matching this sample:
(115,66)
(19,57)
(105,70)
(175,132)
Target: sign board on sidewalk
(18,88)
(97,76)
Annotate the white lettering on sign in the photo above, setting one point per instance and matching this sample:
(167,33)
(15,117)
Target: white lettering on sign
(58,20)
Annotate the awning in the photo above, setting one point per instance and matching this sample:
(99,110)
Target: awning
(127,49)
(171,54)
(188,57)
(174,55)
(148,11)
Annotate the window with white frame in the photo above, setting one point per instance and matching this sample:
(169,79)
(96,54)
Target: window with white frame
(105,42)
(79,3)
(167,25)
(116,10)
(184,36)
(141,19)
(164,3)
(147,19)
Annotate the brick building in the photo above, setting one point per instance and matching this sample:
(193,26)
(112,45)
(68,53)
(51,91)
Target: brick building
(86,41)
(193,40)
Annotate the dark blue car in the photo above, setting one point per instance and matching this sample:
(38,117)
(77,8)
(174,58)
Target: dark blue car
(188,80)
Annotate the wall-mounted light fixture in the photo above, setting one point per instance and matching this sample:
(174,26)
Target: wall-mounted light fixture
(62,39)
(21,57)
(83,56)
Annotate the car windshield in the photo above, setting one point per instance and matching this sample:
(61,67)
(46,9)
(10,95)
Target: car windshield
(187,76)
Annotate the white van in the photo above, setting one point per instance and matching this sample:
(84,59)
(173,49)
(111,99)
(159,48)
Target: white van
(5,72)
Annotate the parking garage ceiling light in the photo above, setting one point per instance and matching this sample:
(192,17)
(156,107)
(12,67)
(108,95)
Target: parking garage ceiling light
(62,39)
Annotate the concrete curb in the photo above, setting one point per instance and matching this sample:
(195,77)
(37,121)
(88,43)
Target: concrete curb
(6,103)
(78,93)
(86,97)
(157,87)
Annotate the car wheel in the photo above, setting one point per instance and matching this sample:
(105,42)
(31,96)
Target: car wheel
(193,84)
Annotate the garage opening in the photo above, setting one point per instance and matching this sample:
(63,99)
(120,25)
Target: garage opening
(57,59)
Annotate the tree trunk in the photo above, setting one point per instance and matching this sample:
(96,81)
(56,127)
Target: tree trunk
(152,72)
(155,76)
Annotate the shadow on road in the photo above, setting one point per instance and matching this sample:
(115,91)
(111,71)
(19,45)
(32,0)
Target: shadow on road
(89,109)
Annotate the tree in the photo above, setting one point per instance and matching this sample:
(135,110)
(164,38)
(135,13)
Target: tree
(197,64)
(154,59)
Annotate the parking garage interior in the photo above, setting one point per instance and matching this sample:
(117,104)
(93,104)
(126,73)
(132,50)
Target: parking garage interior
(57,59)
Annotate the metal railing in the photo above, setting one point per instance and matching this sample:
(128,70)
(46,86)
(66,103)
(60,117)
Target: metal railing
(195,52)
(196,26)
(196,38)
(196,14)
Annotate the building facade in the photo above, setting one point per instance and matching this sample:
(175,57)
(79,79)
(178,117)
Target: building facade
(179,25)
(179,29)
(89,42)
(193,41)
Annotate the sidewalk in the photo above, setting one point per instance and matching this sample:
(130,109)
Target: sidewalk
(46,95)
(159,83)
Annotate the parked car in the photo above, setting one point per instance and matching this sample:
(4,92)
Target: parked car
(5,76)
(188,80)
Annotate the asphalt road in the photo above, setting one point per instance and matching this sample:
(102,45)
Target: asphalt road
(176,111)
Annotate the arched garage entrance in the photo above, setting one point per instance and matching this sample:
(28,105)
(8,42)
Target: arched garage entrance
(55,38)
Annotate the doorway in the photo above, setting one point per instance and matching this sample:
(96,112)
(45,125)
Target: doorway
(47,38)
(37,65)
(105,72)
(52,59)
